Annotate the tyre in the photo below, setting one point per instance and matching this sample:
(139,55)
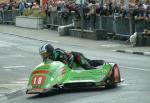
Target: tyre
(114,78)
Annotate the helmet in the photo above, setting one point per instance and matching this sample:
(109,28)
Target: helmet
(46,50)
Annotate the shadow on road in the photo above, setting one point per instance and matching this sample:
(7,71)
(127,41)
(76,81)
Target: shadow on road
(67,91)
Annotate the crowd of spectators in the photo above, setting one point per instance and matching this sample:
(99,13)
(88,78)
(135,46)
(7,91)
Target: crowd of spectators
(91,9)
(88,9)
(140,9)
(21,6)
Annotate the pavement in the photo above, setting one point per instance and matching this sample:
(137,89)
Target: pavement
(7,91)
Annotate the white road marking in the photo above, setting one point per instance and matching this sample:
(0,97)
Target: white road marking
(19,82)
(53,41)
(9,56)
(122,84)
(111,45)
(24,79)
(136,68)
(7,70)
(19,66)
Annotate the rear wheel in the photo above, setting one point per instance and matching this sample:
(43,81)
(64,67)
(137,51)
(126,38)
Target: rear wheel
(112,81)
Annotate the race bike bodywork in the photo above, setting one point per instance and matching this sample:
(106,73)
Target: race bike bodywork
(51,75)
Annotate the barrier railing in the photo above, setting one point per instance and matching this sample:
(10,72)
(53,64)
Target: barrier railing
(108,24)
(121,26)
(1,16)
(56,19)
(140,25)
(8,16)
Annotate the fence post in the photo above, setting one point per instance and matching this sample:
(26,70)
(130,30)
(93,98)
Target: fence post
(135,26)
(101,4)
(130,25)
(81,1)
(114,24)
(100,22)
(1,16)
(52,18)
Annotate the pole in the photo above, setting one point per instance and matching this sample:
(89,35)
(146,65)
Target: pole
(81,3)
(126,4)
(101,4)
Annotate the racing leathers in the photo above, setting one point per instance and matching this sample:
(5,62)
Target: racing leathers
(70,58)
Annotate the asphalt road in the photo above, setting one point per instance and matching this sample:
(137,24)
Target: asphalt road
(19,55)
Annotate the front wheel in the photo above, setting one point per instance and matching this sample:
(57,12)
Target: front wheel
(114,78)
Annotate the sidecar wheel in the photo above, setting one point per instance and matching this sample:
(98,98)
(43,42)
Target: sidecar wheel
(114,78)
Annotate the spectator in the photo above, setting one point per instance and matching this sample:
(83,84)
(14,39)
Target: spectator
(65,15)
(141,12)
(35,6)
(60,5)
(46,8)
(110,8)
(135,11)
(106,10)
(1,7)
(14,6)
(117,10)
(92,14)
(21,7)
(70,5)
(101,10)
(50,7)
(148,12)
(123,12)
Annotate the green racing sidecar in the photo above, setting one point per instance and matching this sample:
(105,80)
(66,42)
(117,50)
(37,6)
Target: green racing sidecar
(54,75)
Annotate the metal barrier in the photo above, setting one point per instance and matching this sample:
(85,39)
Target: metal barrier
(98,22)
(9,16)
(55,19)
(107,23)
(122,26)
(140,25)
(147,24)
(1,16)
(70,18)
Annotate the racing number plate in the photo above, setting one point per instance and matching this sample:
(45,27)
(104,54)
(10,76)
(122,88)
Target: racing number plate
(38,80)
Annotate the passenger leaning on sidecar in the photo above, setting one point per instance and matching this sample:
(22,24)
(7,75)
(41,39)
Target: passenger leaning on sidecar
(47,51)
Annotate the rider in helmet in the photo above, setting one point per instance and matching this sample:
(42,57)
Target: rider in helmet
(47,51)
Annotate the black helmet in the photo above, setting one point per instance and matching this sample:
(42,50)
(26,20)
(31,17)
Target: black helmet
(46,50)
